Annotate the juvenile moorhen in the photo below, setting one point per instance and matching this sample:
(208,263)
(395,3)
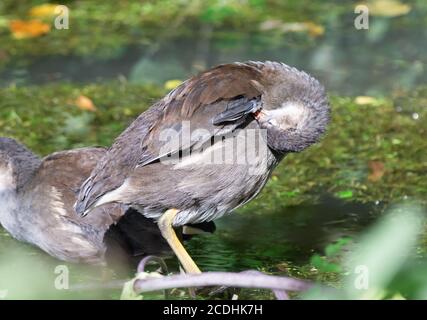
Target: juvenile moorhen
(36,206)
(162,163)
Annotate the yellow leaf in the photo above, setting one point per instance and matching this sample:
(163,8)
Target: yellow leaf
(22,29)
(84,103)
(172,84)
(362,100)
(271,25)
(387,8)
(313,29)
(43,10)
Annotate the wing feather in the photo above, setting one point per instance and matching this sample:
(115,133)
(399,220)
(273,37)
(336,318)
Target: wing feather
(200,99)
(66,171)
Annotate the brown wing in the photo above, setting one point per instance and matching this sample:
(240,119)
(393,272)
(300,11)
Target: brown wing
(66,171)
(223,82)
(200,99)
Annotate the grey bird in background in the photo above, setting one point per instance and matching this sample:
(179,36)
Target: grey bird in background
(36,206)
(280,107)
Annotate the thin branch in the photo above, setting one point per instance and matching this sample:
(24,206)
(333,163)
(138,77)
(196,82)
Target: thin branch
(243,280)
(150,260)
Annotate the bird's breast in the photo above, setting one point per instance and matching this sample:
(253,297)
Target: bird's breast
(224,176)
(206,183)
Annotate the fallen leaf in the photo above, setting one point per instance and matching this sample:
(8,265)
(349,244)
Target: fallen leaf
(270,25)
(377,170)
(387,8)
(22,29)
(84,103)
(43,10)
(313,29)
(363,100)
(172,84)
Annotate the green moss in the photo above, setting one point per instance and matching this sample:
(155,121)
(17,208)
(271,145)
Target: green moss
(113,25)
(46,119)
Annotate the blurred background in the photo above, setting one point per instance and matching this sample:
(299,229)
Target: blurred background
(154,41)
(81,86)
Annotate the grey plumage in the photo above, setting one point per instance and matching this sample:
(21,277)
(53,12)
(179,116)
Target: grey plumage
(287,108)
(23,161)
(36,206)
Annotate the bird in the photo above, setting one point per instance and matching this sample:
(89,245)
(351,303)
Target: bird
(36,206)
(209,146)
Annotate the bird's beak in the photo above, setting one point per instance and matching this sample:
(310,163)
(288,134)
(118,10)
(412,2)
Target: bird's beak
(257,114)
(262,115)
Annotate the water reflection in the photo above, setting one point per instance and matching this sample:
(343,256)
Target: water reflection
(242,241)
(388,56)
(252,240)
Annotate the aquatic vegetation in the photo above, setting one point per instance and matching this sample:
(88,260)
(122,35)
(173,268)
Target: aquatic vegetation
(341,164)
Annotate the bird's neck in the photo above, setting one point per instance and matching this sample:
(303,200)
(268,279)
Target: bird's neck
(13,177)
(9,210)
(26,172)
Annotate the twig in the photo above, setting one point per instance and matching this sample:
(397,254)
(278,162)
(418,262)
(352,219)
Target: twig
(243,280)
(150,259)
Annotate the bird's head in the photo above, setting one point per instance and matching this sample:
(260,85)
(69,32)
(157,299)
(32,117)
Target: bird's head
(295,110)
(17,164)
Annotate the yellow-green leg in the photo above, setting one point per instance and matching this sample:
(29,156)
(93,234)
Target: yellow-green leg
(165,226)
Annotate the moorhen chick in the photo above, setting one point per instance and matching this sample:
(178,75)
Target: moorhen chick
(36,206)
(209,146)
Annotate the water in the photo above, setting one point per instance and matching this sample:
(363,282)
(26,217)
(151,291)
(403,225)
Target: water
(242,241)
(292,235)
(390,56)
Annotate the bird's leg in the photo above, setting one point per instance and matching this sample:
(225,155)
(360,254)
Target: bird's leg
(165,226)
